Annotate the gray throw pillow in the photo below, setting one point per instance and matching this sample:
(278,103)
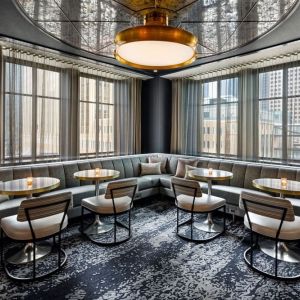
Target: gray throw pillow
(180,171)
(150,169)
(162,160)
(187,169)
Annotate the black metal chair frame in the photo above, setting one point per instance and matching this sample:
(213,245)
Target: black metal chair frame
(256,246)
(191,220)
(116,222)
(34,240)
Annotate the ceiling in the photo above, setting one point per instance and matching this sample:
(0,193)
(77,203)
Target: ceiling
(220,25)
(226,28)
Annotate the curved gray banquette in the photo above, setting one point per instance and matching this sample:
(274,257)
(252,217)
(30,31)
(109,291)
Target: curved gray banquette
(149,185)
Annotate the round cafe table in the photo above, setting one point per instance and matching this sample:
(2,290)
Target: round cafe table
(202,174)
(21,187)
(97,175)
(274,185)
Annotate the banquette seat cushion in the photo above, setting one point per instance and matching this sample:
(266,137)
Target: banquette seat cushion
(148,185)
(232,193)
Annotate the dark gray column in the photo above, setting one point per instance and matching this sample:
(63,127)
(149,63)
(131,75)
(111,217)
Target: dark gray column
(156,115)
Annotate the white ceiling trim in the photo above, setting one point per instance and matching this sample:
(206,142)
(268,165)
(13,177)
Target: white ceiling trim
(285,51)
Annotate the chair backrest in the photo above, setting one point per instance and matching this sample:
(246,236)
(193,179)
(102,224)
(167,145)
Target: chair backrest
(121,188)
(267,206)
(44,206)
(186,187)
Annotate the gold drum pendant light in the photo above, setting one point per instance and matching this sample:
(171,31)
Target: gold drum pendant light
(155,45)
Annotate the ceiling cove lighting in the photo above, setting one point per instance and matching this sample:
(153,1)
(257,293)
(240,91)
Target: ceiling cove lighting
(155,45)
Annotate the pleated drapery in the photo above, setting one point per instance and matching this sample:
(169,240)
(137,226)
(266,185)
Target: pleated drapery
(55,109)
(127,125)
(186,117)
(247,137)
(249,111)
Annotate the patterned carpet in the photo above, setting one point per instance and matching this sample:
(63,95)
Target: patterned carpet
(154,264)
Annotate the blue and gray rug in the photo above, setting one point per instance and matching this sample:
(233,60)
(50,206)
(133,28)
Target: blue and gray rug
(154,264)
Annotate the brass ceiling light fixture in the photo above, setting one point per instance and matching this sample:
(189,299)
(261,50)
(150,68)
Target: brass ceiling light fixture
(155,45)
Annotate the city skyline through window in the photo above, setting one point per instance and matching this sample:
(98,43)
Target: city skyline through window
(279,114)
(96,116)
(220,117)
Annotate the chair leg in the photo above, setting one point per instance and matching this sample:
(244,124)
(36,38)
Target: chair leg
(192,221)
(115,229)
(251,253)
(34,261)
(276,257)
(1,248)
(59,247)
(224,218)
(81,219)
(129,222)
(177,220)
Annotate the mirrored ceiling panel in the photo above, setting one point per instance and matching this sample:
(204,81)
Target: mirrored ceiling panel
(220,25)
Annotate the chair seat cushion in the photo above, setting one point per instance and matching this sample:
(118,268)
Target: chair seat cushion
(232,193)
(42,227)
(102,205)
(202,204)
(269,226)
(81,192)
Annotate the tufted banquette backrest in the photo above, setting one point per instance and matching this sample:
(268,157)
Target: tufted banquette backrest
(243,172)
(129,166)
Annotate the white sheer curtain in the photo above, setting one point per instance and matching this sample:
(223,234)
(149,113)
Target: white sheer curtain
(31,105)
(109,115)
(97,106)
(249,111)
(56,109)
(247,134)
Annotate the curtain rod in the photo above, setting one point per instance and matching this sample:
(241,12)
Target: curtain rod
(59,60)
(70,61)
(244,65)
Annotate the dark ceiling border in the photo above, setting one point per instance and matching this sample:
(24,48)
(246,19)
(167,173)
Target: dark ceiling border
(230,54)
(89,55)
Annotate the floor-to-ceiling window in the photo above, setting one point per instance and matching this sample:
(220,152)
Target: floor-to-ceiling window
(220,117)
(209,111)
(31,113)
(293,114)
(53,108)
(96,116)
(279,114)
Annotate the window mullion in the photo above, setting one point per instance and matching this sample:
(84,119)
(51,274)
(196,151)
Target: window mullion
(3,101)
(97,117)
(284,113)
(218,137)
(34,112)
(256,145)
